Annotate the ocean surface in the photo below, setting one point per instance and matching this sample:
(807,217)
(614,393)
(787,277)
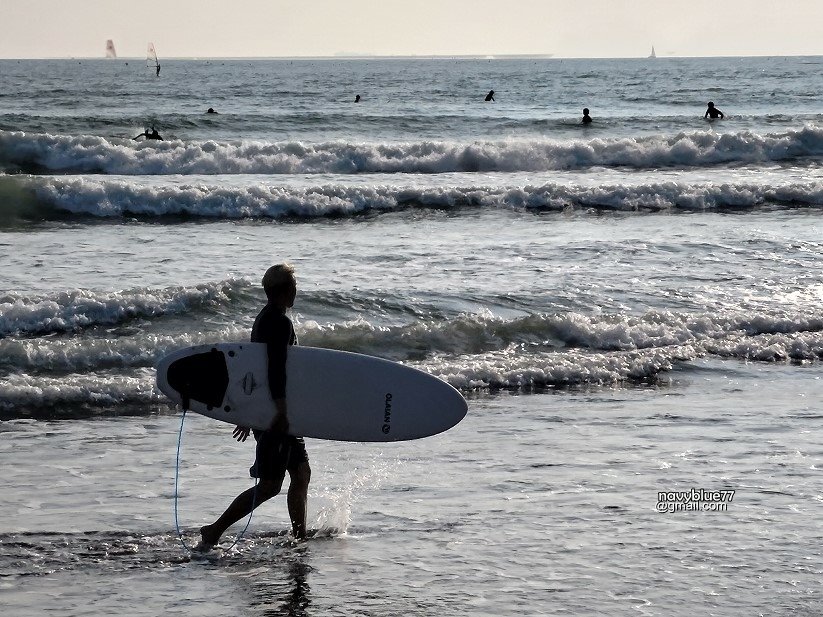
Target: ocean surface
(632,309)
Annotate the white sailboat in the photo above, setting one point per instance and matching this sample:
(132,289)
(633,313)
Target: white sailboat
(110,53)
(151,58)
(652,55)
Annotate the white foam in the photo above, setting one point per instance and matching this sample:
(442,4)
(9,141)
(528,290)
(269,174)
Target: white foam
(26,391)
(101,155)
(475,333)
(123,197)
(512,367)
(78,354)
(480,350)
(504,369)
(800,346)
(81,308)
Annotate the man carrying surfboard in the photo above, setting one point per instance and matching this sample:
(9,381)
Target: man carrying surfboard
(277,452)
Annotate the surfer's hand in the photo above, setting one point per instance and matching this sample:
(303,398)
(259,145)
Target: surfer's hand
(241,433)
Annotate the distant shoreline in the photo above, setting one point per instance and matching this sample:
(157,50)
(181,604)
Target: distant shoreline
(415,57)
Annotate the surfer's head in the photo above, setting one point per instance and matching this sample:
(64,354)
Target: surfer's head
(280,284)
(585,111)
(711,104)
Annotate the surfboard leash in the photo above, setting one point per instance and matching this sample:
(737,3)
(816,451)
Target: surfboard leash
(176,482)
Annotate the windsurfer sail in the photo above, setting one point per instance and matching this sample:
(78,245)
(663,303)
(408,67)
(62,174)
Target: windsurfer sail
(110,53)
(151,58)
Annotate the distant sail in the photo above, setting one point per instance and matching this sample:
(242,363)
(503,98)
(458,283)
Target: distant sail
(110,53)
(652,55)
(151,56)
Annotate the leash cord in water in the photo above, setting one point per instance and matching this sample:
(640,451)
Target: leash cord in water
(176,479)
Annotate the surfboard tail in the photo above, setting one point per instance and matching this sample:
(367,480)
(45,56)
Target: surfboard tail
(203,377)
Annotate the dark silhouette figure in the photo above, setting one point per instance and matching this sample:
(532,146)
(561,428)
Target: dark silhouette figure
(712,112)
(490,96)
(357,98)
(149,134)
(158,70)
(587,119)
(277,452)
(210,110)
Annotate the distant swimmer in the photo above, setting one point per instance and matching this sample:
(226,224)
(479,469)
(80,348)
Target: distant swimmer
(210,110)
(149,134)
(490,96)
(587,119)
(712,112)
(357,98)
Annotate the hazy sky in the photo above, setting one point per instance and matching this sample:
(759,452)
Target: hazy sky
(586,28)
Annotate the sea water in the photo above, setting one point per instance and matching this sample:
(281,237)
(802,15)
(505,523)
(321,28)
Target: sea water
(631,308)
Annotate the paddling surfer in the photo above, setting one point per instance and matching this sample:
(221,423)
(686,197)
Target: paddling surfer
(712,112)
(277,452)
(149,134)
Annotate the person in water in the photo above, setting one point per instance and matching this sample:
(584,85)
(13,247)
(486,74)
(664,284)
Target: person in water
(149,134)
(357,98)
(712,112)
(277,452)
(489,96)
(158,70)
(210,110)
(587,119)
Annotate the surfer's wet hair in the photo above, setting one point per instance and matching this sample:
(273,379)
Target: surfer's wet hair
(277,278)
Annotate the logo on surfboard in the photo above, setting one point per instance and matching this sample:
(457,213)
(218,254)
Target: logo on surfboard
(249,384)
(387,415)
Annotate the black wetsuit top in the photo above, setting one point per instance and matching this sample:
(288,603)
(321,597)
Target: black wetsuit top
(276,330)
(276,453)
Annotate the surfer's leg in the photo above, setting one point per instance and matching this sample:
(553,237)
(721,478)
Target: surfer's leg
(244,503)
(298,496)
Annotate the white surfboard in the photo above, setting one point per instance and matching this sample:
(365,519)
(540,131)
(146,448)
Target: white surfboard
(329,394)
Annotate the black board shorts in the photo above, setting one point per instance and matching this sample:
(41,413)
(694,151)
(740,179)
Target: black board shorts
(275,454)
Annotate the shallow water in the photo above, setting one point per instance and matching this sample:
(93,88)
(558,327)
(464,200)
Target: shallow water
(533,505)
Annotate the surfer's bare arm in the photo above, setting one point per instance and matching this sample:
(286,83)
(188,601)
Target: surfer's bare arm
(280,424)
(241,433)
(277,348)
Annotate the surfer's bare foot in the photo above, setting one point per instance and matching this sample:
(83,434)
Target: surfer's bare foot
(208,536)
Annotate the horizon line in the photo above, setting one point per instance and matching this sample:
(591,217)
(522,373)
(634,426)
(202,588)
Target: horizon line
(422,57)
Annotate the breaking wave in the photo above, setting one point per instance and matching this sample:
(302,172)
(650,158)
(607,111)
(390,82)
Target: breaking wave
(37,153)
(470,351)
(116,198)
(22,314)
